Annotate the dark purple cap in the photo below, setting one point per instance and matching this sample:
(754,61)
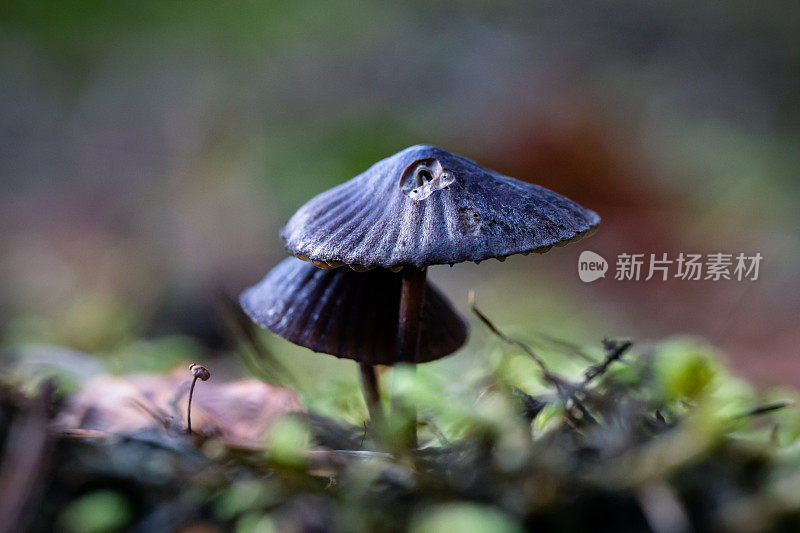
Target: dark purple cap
(426,206)
(348,314)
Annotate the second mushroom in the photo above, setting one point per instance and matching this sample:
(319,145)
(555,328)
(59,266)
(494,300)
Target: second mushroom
(350,315)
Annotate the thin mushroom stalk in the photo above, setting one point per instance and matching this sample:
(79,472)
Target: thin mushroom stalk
(189,408)
(201,373)
(412,299)
(372,394)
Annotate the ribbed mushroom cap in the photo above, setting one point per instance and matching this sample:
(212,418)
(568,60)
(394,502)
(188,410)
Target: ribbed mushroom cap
(426,206)
(348,314)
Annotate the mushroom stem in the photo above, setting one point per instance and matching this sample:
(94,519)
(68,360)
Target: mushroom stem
(372,395)
(412,298)
(189,408)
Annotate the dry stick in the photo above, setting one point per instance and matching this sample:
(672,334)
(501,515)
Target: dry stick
(565,390)
(412,298)
(614,351)
(568,347)
(764,409)
(556,381)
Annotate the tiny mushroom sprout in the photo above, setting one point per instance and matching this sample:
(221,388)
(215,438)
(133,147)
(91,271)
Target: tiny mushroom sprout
(349,315)
(198,372)
(426,206)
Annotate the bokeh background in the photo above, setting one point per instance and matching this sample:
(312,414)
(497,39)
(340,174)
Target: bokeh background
(150,152)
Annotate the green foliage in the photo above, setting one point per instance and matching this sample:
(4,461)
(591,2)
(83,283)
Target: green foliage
(89,324)
(99,511)
(460,517)
(288,442)
(685,371)
(255,523)
(505,447)
(153,355)
(244,495)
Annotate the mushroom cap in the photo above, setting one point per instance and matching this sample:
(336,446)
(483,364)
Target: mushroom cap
(348,314)
(426,206)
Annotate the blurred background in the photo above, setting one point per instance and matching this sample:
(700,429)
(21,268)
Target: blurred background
(151,151)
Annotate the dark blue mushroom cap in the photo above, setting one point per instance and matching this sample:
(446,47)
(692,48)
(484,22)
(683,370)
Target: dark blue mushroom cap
(426,206)
(348,314)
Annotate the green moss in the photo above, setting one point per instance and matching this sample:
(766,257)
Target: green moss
(100,511)
(460,517)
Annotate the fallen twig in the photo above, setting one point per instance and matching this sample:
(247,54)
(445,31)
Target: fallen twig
(763,409)
(566,390)
(566,347)
(555,380)
(614,351)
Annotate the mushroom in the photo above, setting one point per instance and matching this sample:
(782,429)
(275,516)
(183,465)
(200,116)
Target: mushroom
(426,206)
(198,372)
(349,315)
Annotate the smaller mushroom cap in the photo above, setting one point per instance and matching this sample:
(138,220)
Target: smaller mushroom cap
(348,314)
(426,206)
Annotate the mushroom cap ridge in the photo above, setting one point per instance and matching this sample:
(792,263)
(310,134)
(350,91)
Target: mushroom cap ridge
(348,314)
(388,216)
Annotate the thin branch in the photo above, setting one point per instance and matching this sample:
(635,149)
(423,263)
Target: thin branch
(436,431)
(555,380)
(763,409)
(614,351)
(566,347)
(566,391)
